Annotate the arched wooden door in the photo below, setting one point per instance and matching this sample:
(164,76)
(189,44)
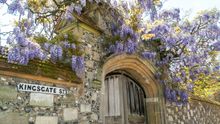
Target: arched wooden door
(124,100)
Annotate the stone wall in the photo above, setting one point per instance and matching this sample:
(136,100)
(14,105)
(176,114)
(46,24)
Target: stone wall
(198,111)
(29,108)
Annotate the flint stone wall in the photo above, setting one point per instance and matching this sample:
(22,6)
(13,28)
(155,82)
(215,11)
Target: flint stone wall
(198,111)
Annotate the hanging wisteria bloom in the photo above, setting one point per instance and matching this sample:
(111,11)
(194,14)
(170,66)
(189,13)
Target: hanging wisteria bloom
(21,40)
(78,65)
(184,97)
(148,55)
(10,40)
(80,69)
(216,46)
(68,14)
(170,14)
(78,9)
(2,50)
(42,55)
(66,44)
(56,53)
(190,87)
(18,55)
(3,1)
(73,62)
(130,46)
(112,49)
(119,47)
(173,95)
(15,7)
(167,93)
(73,46)
(46,46)
(126,30)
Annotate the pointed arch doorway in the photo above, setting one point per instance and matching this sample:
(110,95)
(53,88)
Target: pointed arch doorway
(128,80)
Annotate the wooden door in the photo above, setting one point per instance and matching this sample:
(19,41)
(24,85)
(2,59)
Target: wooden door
(124,100)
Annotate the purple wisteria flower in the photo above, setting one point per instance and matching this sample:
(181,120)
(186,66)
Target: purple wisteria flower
(28,31)
(15,7)
(113,27)
(183,74)
(3,1)
(73,46)
(142,3)
(30,14)
(184,97)
(26,23)
(2,50)
(42,56)
(173,95)
(130,46)
(66,44)
(46,46)
(177,79)
(73,62)
(149,4)
(160,30)
(13,54)
(173,14)
(157,75)
(59,52)
(206,72)
(119,47)
(167,93)
(68,14)
(216,68)
(9,40)
(78,9)
(56,53)
(216,46)
(188,40)
(16,30)
(148,55)
(126,30)
(78,65)
(190,86)
(33,52)
(21,40)
(18,55)
(160,63)
(112,49)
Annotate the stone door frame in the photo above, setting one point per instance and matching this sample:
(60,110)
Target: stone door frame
(143,72)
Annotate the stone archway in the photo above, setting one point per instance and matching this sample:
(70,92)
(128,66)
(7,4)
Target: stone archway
(143,72)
